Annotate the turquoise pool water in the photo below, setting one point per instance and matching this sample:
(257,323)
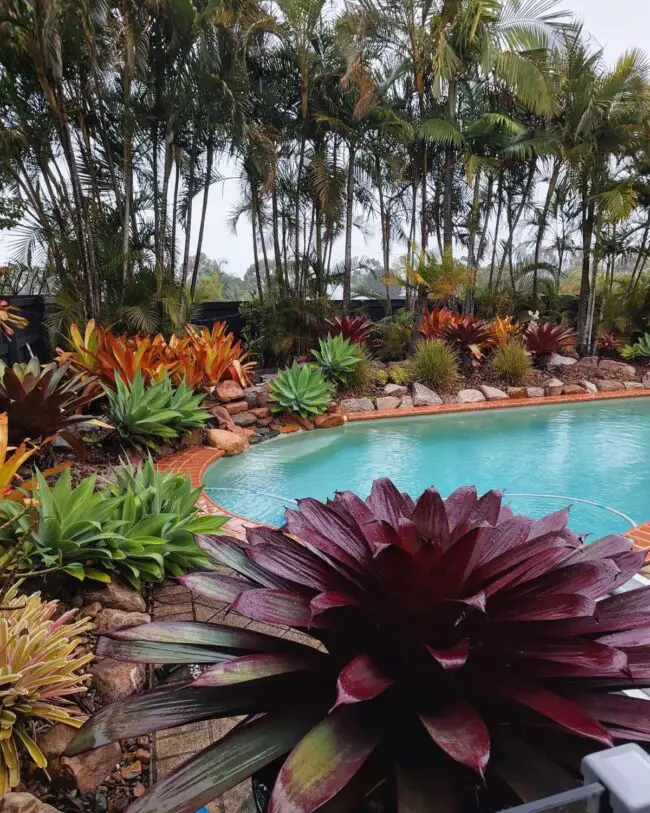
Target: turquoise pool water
(595,451)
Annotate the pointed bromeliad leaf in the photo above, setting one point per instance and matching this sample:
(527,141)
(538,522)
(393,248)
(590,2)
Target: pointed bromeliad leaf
(282,607)
(216,769)
(200,633)
(256,667)
(452,658)
(214,586)
(461,733)
(324,761)
(430,518)
(564,712)
(360,680)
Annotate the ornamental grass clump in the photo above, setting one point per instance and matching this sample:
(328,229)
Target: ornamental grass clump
(511,363)
(435,365)
(40,670)
(456,648)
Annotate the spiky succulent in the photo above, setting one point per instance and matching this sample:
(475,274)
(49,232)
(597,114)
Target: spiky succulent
(42,400)
(148,415)
(301,390)
(356,329)
(543,339)
(337,357)
(453,649)
(39,670)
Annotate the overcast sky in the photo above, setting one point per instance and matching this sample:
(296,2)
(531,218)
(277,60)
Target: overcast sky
(617,25)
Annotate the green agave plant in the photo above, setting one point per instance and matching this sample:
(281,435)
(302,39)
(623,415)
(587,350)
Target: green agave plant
(337,358)
(302,390)
(147,415)
(165,503)
(141,528)
(640,350)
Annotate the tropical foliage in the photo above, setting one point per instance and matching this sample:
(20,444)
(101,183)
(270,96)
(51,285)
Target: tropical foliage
(470,337)
(638,350)
(10,318)
(337,358)
(453,642)
(43,400)
(41,668)
(301,390)
(147,416)
(434,322)
(356,329)
(543,339)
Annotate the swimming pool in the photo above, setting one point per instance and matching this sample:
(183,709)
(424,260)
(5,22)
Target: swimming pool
(598,452)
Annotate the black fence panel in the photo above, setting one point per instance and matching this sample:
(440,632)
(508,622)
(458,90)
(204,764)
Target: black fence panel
(32,338)
(210,312)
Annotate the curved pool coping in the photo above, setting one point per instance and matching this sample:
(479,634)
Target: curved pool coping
(195,460)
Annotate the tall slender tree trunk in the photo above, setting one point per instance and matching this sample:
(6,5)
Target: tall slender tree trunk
(349,205)
(486,220)
(471,243)
(172,248)
(163,223)
(296,252)
(156,194)
(497,226)
(276,236)
(513,221)
(541,230)
(128,146)
(385,234)
(204,209)
(588,220)
(188,217)
(256,260)
(450,166)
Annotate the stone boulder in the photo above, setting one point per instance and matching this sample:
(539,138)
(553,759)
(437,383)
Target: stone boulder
(554,386)
(646,381)
(116,596)
(329,421)
(604,385)
(423,396)
(24,803)
(109,619)
(229,442)
(84,772)
(493,393)
(588,385)
(518,392)
(406,402)
(633,385)
(573,389)
(617,367)
(115,680)
(470,397)
(244,419)
(235,407)
(395,390)
(251,397)
(261,412)
(388,402)
(357,405)
(535,392)
(556,360)
(229,391)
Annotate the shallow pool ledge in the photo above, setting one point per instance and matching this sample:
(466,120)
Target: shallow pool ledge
(511,403)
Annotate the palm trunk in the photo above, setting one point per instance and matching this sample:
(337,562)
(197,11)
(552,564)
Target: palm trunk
(128,149)
(204,209)
(156,195)
(385,234)
(486,221)
(588,219)
(188,217)
(497,226)
(296,252)
(349,204)
(552,185)
(172,248)
(513,222)
(256,259)
(276,236)
(471,243)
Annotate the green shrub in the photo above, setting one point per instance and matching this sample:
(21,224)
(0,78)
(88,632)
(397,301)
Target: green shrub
(380,376)
(640,350)
(512,363)
(337,357)
(435,365)
(302,390)
(147,415)
(395,340)
(364,373)
(399,375)
(141,528)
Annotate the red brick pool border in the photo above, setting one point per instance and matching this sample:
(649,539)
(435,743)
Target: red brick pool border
(196,459)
